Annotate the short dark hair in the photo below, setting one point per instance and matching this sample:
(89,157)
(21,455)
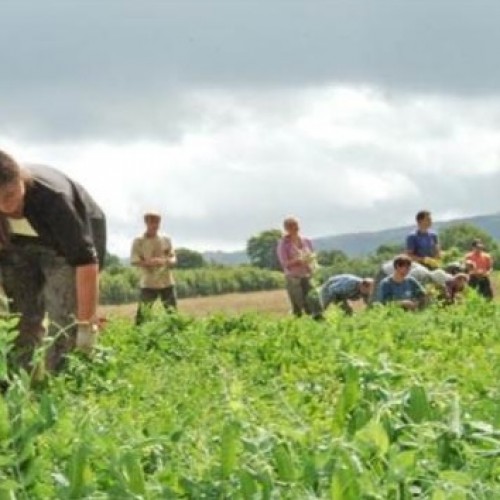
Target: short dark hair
(401,260)
(422,215)
(9,169)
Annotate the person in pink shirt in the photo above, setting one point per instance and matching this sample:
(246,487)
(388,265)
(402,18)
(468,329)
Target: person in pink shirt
(479,276)
(297,259)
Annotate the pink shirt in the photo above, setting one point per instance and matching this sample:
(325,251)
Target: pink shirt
(288,251)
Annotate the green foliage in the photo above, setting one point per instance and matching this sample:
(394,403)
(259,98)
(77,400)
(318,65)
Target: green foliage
(462,235)
(119,285)
(122,286)
(332,258)
(261,249)
(383,404)
(189,259)
(388,251)
(112,261)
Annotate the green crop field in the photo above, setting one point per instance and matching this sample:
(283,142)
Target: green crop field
(381,405)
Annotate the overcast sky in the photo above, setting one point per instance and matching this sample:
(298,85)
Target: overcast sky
(229,116)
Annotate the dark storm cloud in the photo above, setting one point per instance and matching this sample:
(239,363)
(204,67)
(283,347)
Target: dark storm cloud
(121,69)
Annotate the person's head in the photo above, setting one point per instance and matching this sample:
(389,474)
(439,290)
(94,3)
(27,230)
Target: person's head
(152,221)
(424,220)
(460,281)
(402,265)
(366,287)
(291,225)
(477,245)
(12,186)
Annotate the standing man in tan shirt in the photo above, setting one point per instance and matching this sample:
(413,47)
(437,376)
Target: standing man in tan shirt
(154,255)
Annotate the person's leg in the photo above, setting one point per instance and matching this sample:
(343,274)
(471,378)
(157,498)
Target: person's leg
(316,303)
(147,296)
(474,283)
(484,287)
(295,294)
(346,307)
(306,287)
(168,298)
(61,304)
(22,282)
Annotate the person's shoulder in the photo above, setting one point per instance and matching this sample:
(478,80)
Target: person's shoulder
(413,281)
(412,235)
(386,281)
(137,240)
(351,278)
(165,239)
(44,177)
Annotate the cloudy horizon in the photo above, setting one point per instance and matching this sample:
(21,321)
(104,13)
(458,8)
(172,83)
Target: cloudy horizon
(229,116)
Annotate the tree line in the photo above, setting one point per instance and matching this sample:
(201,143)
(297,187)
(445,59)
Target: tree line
(197,277)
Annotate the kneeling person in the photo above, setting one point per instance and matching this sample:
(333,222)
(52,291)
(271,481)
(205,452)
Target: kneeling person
(342,288)
(400,288)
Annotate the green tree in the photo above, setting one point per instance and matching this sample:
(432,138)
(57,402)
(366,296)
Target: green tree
(461,236)
(189,259)
(112,263)
(331,257)
(261,249)
(388,251)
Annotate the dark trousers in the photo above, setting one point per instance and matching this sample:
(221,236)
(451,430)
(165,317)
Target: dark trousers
(482,285)
(37,282)
(147,298)
(298,290)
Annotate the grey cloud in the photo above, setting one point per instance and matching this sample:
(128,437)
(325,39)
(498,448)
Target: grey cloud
(120,68)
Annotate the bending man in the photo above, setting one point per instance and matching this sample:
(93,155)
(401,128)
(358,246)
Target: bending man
(53,241)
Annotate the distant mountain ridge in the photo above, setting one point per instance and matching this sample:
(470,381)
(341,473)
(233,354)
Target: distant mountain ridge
(363,243)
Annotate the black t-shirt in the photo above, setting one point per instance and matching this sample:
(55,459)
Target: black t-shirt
(64,216)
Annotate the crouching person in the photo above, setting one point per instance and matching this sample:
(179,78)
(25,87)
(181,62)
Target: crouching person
(53,240)
(400,288)
(343,288)
(450,286)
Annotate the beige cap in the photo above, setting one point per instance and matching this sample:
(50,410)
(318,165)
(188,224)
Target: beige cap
(152,214)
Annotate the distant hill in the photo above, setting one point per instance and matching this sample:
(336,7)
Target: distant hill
(227,258)
(359,244)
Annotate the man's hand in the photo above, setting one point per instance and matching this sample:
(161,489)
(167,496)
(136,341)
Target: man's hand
(408,305)
(86,336)
(154,262)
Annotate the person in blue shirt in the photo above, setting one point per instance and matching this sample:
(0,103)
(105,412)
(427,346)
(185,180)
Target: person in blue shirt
(342,288)
(422,245)
(401,289)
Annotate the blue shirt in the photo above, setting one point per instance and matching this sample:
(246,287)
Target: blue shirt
(390,290)
(422,244)
(339,288)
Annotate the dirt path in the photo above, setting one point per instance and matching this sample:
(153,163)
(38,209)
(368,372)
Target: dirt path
(269,302)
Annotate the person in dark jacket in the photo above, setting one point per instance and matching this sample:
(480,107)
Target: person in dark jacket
(52,245)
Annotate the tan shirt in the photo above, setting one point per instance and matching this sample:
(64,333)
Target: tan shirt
(144,248)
